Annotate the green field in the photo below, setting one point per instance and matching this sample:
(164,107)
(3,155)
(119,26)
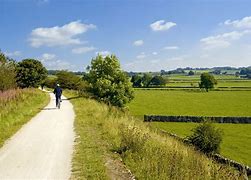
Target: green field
(236,139)
(213,103)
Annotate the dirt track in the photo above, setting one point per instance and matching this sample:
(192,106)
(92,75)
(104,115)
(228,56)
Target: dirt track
(41,149)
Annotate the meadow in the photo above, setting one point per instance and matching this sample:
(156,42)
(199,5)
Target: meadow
(107,134)
(193,103)
(231,97)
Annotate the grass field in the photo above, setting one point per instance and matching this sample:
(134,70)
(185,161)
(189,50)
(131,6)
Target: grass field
(17,107)
(101,130)
(236,139)
(214,103)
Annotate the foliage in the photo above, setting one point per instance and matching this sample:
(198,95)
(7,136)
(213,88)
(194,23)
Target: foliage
(30,73)
(69,80)
(146,79)
(7,73)
(136,80)
(206,138)
(158,81)
(207,81)
(191,73)
(108,82)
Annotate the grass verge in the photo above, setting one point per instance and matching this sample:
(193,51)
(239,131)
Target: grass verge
(17,107)
(102,130)
(236,143)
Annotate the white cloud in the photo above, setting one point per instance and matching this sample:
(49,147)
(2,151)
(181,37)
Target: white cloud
(138,43)
(47,56)
(103,53)
(154,53)
(243,23)
(82,50)
(141,56)
(222,40)
(171,48)
(13,54)
(59,36)
(161,25)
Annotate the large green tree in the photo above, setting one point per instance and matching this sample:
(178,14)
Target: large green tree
(108,82)
(30,73)
(207,81)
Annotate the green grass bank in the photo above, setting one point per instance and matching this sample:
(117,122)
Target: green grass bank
(236,143)
(103,130)
(17,107)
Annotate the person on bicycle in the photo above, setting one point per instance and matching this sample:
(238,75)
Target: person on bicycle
(58,92)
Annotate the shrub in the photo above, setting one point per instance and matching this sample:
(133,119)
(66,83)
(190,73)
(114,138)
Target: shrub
(69,80)
(206,138)
(158,81)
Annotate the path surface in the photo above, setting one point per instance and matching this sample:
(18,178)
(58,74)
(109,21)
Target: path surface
(41,149)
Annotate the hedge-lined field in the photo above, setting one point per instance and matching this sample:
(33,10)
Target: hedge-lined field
(178,103)
(236,138)
(17,107)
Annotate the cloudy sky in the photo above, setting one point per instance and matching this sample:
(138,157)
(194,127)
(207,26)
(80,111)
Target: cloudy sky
(146,35)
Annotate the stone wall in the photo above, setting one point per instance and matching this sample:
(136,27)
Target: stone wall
(150,118)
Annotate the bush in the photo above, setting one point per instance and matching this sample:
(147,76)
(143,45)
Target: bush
(158,81)
(108,82)
(206,138)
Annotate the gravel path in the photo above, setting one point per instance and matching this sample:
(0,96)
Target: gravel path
(41,149)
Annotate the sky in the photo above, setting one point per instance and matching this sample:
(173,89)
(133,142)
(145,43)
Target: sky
(145,35)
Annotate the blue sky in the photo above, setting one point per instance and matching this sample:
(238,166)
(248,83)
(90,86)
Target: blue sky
(146,35)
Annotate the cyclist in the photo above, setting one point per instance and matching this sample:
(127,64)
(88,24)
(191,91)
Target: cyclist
(58,92)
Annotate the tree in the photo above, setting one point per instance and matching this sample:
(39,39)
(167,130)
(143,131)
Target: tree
(191,73)
(158,81)
(146,79)
(108,82)
(207,81)
(69,80)
(136,80)
(7,73)
(30,73)
(206,138)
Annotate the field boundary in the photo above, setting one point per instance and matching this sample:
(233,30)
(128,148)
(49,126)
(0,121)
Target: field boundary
(197,119)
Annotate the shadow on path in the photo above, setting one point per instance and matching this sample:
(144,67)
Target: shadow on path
(49,108)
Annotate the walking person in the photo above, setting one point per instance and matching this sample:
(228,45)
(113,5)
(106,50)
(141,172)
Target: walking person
(58,92)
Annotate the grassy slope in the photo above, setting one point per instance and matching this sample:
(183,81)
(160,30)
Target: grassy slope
(18,112)
(214,103)
(236,139)
(148,155)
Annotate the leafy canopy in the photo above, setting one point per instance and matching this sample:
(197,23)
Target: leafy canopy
(207,81)
(108,82)
(30,73)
